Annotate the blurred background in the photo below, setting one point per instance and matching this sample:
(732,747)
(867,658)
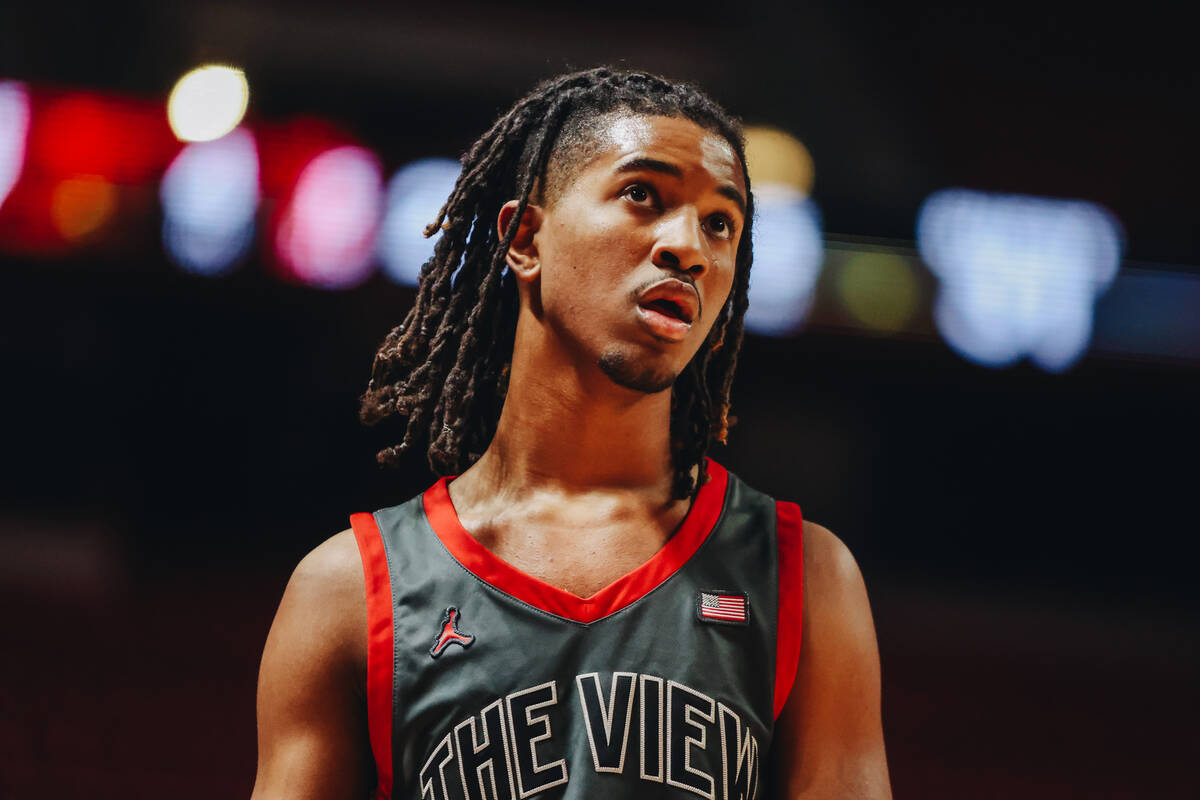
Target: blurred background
(975,350)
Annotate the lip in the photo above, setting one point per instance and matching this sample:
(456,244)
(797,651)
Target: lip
(681,294)
(662,325)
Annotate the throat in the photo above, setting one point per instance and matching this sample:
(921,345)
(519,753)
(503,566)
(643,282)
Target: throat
(578,546)
(567,420)
(581,563)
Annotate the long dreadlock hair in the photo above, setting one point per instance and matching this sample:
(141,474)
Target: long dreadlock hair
(445,367)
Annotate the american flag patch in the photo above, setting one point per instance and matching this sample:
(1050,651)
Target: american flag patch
(729,608)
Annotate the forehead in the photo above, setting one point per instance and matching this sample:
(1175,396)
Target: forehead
(676,140)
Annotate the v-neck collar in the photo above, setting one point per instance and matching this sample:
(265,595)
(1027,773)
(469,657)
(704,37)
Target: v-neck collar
(624,591)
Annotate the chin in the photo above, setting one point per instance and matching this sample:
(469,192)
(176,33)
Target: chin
(640,376)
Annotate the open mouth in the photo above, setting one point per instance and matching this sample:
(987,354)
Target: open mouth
(669,308)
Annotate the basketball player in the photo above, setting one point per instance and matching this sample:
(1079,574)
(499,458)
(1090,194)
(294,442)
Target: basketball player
(592,607)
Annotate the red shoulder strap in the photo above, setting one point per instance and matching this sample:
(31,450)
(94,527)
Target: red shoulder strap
(380,654)
(790,540)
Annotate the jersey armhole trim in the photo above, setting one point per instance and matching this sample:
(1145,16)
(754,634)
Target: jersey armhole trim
(789,535)
(380,654)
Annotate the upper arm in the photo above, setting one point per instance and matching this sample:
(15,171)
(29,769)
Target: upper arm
(312,725)
(829,735)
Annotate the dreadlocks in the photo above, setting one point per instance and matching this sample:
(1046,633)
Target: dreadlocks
(445,367)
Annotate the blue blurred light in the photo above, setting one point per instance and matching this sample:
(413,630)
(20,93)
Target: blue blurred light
(788,254)
(414,196)
(14,128)
(1019,275)
(327,234)
(1151,312)
(210,195)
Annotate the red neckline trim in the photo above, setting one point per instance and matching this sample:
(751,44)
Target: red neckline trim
(484,564)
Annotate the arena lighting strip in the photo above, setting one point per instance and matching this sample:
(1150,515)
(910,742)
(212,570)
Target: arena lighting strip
(1000,277)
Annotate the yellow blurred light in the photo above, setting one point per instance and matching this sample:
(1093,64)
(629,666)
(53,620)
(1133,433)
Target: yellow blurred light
(208,103)
(775,156)
(80,206)
(879,289)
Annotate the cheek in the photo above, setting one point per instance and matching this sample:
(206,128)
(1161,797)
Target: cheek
(715,298)
(573,282)
(581,264)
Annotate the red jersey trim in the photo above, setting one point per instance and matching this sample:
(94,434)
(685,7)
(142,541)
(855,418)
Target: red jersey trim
(628,589)
(380,656)
(789,535)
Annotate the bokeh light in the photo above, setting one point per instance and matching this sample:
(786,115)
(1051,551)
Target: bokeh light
(414,195)
(82,133)
(81,206)
(879,289)
(775,156)
(788,246)
(326,235)
(1019,275)
(210,194)
(788,254)
(14,127)
(208,103)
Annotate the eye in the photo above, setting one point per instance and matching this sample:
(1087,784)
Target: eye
(721,226)
(641,194)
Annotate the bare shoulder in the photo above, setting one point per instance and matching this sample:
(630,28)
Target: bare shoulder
(837,613)
(312,737)
(327,592)
(830,732)
(332,568)
(829,567)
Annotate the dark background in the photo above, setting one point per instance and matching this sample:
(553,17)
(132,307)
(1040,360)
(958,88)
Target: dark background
(174,444)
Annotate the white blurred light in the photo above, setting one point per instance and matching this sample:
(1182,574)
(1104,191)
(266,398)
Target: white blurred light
(414,195)
(327,233)
(1019,275)
(14,127)
(208,103)
(210,195)
(775,156)
(788,253)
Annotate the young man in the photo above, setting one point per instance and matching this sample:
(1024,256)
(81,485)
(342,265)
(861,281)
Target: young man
(592,608)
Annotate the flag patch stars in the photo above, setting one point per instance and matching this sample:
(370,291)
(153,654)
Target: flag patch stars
(723,607)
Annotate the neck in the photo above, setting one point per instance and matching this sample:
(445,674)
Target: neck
(571,429)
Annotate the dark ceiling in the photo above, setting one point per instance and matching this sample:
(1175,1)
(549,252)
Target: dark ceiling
(894,102)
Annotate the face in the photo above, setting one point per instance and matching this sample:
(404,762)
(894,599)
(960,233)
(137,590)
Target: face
(636,254)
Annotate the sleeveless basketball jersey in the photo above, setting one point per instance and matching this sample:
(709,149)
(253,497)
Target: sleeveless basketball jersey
(485,683)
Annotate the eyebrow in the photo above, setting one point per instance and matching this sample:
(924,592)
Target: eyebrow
(667,168)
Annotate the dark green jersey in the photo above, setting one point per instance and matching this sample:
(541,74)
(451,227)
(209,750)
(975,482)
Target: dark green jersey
(485,683)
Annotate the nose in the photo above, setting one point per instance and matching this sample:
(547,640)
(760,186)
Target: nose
(681,244)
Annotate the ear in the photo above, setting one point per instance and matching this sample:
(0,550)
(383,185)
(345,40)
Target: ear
(522,256)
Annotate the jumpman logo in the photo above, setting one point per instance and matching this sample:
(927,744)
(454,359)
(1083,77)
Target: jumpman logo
(450,634)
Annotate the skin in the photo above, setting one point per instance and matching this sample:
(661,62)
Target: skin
(581,510)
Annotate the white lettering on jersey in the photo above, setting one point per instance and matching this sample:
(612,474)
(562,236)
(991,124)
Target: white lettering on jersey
(429,789)
(739,756)
(688,712)
(506,752)
(609,755)
(533,777)
(651,698)
(484,766)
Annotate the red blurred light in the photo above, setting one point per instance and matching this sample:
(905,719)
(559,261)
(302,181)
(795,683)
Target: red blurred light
(121,140)
(285,149)
(326,236)
(77,142)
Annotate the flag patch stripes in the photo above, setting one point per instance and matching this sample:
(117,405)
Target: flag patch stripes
(718,605)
